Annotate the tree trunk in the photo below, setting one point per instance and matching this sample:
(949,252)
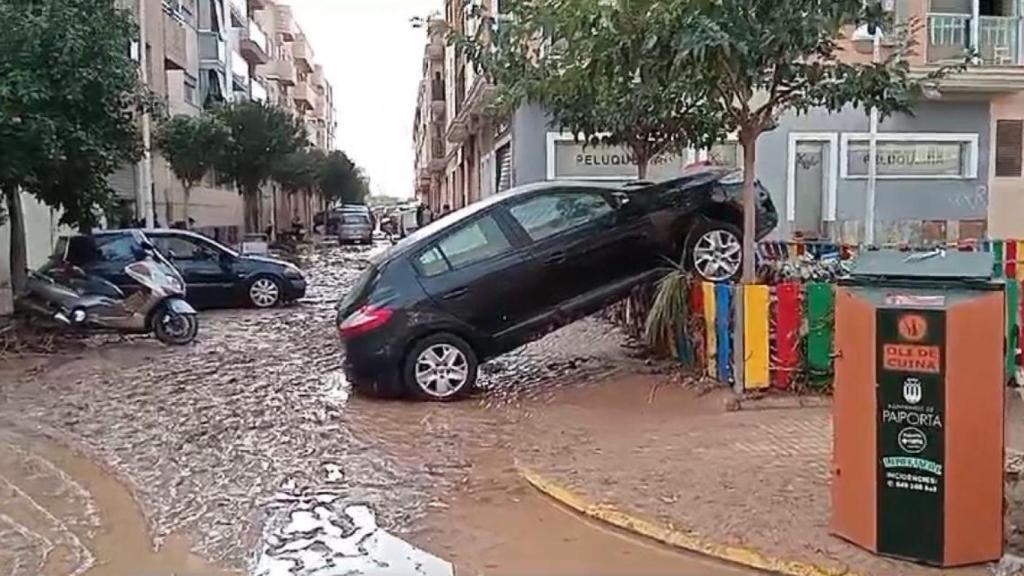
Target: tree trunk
(185,206)
(252,212)
(748,139)
(19,254)
(642,162)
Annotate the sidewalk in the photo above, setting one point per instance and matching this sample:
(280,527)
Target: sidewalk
(754,479)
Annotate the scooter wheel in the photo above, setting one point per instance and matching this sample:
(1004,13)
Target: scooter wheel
(175,329)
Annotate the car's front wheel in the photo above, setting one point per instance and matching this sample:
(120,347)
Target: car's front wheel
(715,251)
(440,368)
(264,292)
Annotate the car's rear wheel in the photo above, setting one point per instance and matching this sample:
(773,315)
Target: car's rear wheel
(440,368)
(715,251)
(264,292)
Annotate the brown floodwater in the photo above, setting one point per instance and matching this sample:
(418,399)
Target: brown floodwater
(72,515)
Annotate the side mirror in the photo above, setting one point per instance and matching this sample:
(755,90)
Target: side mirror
(621,200)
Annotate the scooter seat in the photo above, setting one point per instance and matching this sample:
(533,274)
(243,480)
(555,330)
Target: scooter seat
(96,286)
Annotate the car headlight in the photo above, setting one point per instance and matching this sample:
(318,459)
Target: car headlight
(293,272)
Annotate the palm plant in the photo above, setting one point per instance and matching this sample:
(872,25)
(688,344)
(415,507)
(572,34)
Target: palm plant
(667,318)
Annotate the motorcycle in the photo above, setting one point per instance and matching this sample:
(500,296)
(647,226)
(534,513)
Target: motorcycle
(76,299)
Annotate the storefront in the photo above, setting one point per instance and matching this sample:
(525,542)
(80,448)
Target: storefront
(933,169)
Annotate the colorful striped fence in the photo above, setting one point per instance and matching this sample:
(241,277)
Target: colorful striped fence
(788,333)
(788,330)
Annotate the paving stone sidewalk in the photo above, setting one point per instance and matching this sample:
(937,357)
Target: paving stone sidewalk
(758,479)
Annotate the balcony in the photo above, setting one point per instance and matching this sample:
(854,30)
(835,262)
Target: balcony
(239,71)
(435,51)
(254,44)
(302,54)
(282,71)
(257,91)
(318,77)
(437,162)
(277,19)
(304,95)
(995,42)
(213,51)
(175,50)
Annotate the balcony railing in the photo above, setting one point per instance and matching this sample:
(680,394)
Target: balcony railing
(258,91)
(994,39)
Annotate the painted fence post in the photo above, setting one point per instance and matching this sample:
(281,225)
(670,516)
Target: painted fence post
(787,333)
(711,343)
(756,306)
(1012,323)
(820,308)
(723,317)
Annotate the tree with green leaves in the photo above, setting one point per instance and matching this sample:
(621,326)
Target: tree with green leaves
(766,59)
(342,181)
(603,71)
(69,100)
(299,174)
(260,137)
(192,146)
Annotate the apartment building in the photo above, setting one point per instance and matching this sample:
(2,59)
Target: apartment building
(293,81)
(951,170)
(429,123)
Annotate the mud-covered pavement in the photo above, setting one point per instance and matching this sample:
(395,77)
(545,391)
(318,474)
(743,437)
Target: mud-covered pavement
(249,445)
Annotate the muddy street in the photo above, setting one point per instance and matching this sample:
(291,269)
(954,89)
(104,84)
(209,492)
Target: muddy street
(247,453)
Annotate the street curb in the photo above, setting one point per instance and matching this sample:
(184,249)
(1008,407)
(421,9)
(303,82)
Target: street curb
(688,541)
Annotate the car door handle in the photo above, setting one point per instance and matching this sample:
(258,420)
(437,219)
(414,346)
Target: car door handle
(455,294)
(556,258)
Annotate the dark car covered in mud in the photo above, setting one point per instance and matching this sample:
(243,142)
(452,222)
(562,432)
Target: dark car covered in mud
(509,269)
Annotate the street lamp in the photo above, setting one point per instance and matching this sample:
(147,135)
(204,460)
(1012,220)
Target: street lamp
(871,31)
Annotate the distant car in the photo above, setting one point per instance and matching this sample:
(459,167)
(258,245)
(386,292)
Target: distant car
(510,268)
(215,275)
(355,227)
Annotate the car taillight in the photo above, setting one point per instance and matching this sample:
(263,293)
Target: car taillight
(363,320)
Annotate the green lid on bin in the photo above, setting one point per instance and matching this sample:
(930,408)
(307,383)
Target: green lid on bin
(935,264)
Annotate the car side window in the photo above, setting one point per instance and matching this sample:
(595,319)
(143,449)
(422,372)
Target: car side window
(177,248)
(116,249)
(432,263)
(550,214)
(474,242)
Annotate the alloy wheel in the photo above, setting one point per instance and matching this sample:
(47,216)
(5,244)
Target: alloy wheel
(264,293)
(717,255)
(442,370)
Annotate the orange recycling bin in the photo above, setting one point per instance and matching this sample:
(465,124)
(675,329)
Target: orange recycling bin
(919,408)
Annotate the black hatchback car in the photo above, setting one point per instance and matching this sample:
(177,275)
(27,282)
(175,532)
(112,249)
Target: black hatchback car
(513,267)
(215,275)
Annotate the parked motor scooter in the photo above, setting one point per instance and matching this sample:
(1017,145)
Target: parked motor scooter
(74,298)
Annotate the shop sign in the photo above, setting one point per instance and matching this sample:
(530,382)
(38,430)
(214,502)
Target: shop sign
(580,161)
(910,349)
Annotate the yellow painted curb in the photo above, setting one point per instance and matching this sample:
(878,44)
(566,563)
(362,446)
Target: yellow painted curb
(683,540)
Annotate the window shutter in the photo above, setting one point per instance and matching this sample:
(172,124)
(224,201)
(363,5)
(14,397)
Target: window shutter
(1009,134)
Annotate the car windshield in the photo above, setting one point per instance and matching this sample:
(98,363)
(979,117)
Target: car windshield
(355,218)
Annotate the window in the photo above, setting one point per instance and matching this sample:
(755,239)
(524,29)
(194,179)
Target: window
(355,219)
(116,248)
(191,95)
(431,263)
(727,154)
(473,243)
(550,214)
(1008,147)
(910,156)
(178,248)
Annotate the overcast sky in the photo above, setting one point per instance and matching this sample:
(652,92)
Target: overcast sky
(373,58)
